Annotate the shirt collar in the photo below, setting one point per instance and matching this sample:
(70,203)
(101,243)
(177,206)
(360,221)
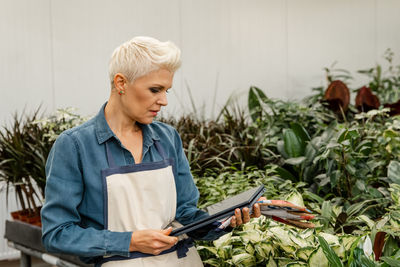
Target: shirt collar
(103,131)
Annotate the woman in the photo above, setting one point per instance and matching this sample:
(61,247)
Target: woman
(117,183)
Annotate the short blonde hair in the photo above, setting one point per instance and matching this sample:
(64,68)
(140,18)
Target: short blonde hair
(142,55)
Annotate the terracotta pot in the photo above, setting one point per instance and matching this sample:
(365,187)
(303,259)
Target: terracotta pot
(23,215)
(15,215)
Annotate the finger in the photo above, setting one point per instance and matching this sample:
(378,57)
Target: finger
(262,198)
(256,211)
(238,216)
(167,231)
(166,239)
(233,222)
(246,215)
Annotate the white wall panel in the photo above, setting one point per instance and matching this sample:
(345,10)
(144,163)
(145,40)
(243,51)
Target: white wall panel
(87,32)
(322,32)
(56,52)
(229,45)
(25,56)
(388,28)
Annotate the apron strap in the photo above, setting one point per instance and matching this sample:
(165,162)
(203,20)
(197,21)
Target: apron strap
(181,248)
(110,159)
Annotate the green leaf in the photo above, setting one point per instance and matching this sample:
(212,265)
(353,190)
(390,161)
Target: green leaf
(333,259)
(254,102)
(326,210)
(318,258)
(390,261)
(299,130)
(285,174)
(394,171)
(353,252)
(280,146)
(295,161)
(213,262)
(296,198)
(367,262)
(312,196)
(244,259)
(294,147)
(390,246)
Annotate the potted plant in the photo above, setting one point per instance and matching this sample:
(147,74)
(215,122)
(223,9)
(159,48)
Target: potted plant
(23,151)
(24,147)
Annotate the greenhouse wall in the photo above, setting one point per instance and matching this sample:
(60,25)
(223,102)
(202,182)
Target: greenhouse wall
(55,53)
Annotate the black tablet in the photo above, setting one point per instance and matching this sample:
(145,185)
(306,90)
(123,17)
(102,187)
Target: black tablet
(224,209)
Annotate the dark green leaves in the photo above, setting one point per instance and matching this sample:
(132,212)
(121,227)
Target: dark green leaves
(295,140)
(255,99)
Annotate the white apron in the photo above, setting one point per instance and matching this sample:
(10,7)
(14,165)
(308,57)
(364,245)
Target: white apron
(143,196)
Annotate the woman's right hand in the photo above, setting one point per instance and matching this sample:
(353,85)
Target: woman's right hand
(152,241)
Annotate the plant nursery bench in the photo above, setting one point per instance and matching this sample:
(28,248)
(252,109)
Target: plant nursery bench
(27,239)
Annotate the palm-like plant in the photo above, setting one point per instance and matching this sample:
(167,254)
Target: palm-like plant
(23,152)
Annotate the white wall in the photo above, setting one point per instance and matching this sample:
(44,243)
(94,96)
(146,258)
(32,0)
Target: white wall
(55,52)
(6,205)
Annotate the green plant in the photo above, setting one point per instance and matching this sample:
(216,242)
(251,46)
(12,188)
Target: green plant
(61,120)
(231,140)
(263,242)
(385,83)
(24,148)
(23,152)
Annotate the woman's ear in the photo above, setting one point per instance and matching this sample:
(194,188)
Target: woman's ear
(119,81)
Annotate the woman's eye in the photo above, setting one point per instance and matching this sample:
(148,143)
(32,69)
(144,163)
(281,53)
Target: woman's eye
(154,90)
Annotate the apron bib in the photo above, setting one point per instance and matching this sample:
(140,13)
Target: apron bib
(143,196)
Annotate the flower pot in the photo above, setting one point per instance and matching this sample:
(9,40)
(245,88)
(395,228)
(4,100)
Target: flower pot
(25,216)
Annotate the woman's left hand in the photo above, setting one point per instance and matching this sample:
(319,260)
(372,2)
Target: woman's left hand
(244,216)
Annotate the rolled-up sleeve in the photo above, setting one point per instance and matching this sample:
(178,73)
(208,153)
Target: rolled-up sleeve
(62,231)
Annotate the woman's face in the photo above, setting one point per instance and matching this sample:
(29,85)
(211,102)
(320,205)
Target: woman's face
(144,97)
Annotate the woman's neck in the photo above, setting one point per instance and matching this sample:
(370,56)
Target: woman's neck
(117,120)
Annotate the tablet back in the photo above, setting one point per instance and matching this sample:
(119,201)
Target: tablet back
(239,201)
(224,209)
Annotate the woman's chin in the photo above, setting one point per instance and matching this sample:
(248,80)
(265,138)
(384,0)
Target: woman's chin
(146,121)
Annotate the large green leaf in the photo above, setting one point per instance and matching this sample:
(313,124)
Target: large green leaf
(391,261)
(300,131)
(255,98)
(294,147)
(285,174)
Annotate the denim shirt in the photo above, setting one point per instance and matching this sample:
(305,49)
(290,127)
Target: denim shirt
(73,215)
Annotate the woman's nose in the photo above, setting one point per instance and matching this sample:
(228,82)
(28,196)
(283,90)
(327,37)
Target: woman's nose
(163,101)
